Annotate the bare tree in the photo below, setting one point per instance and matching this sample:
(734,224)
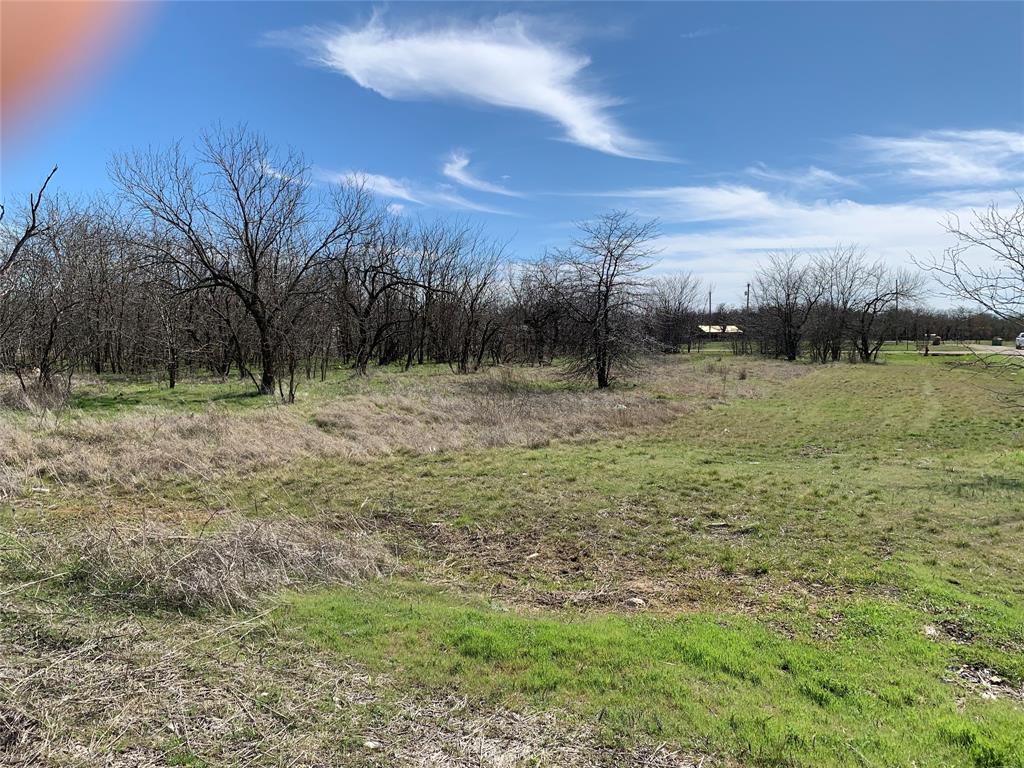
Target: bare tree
(22,234)
(842,271)
(370,281)
(985,265)
(878,296)
(788,288)
(242,217)
(51,331)
(539,317)
(600,287)
(672,308)
(472,320)
(228,259)
(438,250)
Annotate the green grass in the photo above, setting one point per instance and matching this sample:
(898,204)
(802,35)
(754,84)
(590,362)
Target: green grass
(876,499)
(792,549)
(853,475)
(112,395)
(695,679)
(105,399)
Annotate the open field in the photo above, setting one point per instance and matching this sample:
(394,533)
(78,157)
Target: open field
(735,562)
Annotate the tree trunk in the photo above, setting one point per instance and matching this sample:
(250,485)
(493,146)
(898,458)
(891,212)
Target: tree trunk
(172,369)
(267,379)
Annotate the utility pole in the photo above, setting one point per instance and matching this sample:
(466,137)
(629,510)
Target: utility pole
(898,334)
(745,342)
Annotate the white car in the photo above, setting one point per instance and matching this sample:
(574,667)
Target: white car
(1020,341)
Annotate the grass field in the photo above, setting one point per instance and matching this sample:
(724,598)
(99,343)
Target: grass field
(734,562)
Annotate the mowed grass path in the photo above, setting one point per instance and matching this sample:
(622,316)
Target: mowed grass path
(816,567)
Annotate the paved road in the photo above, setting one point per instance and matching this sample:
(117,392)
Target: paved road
(981,350)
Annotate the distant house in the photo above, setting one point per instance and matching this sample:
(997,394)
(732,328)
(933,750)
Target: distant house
(720,331)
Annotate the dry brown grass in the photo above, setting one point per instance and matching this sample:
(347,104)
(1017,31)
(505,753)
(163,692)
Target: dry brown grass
(81,690)
(33,398)
(78,689)
(446,733)
(503,407)
(228,567)
(84,683)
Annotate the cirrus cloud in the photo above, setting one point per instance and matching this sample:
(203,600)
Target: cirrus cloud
(810,177)
(723,231)
(456,168)
(390,188)
(948,157)
(503,63)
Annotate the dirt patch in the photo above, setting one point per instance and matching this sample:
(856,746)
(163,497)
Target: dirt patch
(949,631)
(986,683)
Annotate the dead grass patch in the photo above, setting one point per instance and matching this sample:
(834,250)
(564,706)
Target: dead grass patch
(447,734)
(88,691)
(79,689)
(228,567)
(502,407)
(33,398)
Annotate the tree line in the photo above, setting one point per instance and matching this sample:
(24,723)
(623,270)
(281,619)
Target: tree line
(227,259)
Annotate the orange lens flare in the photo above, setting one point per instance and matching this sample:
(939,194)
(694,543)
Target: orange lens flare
(48,50)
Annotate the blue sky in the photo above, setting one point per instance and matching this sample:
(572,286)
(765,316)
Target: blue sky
(743,127)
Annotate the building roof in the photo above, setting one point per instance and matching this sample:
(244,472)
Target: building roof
(719,329)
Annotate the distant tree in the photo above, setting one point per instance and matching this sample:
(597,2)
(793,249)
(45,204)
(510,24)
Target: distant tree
(14,237)
(438,248)
(171,304)
(372,283)
(539,315)
(599,285)
(52,332)
(672,309)
(473,299)
(874,303)
(841,272)
(788,287)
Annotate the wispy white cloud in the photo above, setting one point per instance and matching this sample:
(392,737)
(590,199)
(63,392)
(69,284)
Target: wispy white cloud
(809,177)
(503,63)
(390,188)
(948,158)
(724,231)
(701,32)
(456,168)
(277,173)
(688,204)
(382,186)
